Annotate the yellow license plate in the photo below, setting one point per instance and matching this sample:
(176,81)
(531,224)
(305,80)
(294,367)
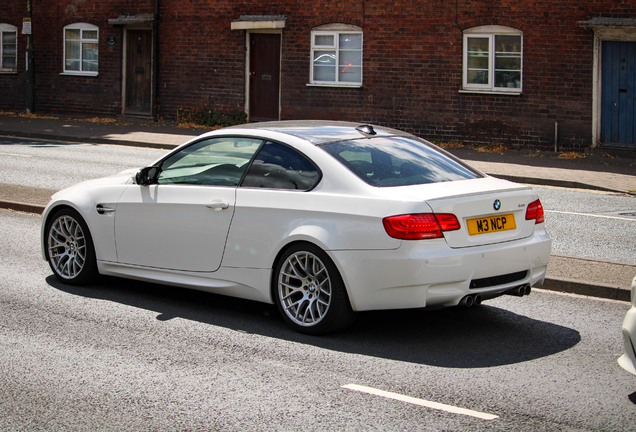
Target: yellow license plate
(491,224)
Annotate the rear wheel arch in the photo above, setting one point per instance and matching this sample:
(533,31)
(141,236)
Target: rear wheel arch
(318,302)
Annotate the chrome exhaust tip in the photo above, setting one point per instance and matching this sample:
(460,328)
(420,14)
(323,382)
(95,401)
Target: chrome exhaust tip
(477,300)
(519,291)
(467,301)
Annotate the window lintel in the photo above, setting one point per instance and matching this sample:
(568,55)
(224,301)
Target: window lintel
(493,29)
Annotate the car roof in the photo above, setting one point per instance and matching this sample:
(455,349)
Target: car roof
(320,132)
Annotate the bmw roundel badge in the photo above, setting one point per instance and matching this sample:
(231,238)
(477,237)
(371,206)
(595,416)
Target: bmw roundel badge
(497,204)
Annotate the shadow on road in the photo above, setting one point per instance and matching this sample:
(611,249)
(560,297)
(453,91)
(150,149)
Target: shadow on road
(479,337)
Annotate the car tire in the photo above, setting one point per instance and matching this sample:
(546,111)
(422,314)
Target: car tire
(69,248)
(309,291)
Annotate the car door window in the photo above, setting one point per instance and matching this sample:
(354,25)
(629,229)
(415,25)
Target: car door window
(279,167)
(215,162)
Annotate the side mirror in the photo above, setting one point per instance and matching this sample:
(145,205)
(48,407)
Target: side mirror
(146,176)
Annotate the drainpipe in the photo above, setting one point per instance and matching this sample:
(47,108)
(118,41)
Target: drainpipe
(30,72)
(155,61)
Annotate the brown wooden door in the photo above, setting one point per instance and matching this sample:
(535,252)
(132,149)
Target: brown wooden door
(264,76)
(139,72)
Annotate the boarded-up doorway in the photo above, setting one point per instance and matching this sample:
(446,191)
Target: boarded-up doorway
(264,76)
(138,73)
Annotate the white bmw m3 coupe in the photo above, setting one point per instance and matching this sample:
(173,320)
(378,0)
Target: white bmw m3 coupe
(323,219)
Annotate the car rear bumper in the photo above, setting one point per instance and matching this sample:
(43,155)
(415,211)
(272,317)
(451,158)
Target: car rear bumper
(428,272)
(628,360)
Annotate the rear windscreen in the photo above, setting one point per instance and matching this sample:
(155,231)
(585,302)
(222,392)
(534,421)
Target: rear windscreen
(399,161)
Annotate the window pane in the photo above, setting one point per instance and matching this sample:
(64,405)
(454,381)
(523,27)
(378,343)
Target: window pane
(324,58)
(9,38)
(477,76)
(279,167)
(72,65)
(9,49)
(72,55)
(8,62)
(89,57)
(508,61)
(350,74)
(324,40)
(322,73)
(507,79)
(478,46)
(351,41)
(89,34)
(508,44)
(89,66)
(72,50)
(217,161)
(478,60)
(324,65)
(351,58)
(386,162)
(72,34)
(89,51)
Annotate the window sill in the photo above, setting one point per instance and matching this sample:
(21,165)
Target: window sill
(506,92)
(8,72)
(82,74)
(355,86)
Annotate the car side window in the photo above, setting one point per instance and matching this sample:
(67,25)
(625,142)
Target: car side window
(213,162)
(279,167)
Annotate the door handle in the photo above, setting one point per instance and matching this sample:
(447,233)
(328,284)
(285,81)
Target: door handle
(217,205)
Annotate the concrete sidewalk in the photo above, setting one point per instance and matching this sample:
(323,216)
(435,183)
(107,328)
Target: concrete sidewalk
(598,169)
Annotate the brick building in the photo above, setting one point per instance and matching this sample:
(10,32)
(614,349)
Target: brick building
(521,73)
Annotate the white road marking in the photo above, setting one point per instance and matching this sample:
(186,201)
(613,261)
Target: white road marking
(421,402)
(14,154)
(591,215)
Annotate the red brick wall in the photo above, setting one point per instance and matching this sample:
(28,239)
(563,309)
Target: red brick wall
(12,85)
(100,95)
(412,63)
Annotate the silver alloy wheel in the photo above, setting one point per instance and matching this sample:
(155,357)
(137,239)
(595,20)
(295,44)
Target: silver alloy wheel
(66,247)
(304,288)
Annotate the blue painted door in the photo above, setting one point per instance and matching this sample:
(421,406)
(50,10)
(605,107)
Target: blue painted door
(618,94)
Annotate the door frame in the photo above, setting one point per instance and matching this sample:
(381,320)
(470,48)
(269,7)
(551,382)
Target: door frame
(602,34)
(141,26)
(248,44)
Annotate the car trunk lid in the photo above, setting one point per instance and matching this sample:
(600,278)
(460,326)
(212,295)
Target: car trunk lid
(489,210)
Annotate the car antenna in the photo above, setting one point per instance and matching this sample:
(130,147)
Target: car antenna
(366,129)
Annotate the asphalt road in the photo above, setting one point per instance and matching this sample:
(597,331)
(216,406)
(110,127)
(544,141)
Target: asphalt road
(129,356)
(57,165)
(588,224)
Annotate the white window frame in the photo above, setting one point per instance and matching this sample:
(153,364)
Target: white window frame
(490,33)
(82,27)
(335,30)
(5,28)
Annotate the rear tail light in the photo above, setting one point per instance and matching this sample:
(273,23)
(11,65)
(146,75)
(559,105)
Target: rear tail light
(535,211)
(420,226)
